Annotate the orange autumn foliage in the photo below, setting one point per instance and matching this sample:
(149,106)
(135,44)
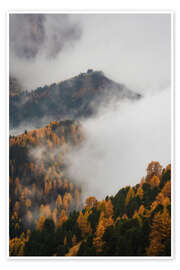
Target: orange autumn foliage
(160,231)
(40,223)
(104,222)
(63,217)
(90,202)
(130,195)
(83,223)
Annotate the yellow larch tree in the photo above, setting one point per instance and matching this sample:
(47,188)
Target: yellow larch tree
(130,195)
(63,217)
(167,189)
(74,239)
(160,232)
(40,223)
(47,211)
(16,246)
(104,222)
(90,202)
(154,168)
(83,223)
(141,210)
(154,181)
(54,215)
(108,209)
(59,201)
(97,240)
(140,192)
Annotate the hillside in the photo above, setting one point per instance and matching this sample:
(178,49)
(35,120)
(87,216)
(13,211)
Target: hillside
(74,98)
(134,222)
(47,215)
(39,186)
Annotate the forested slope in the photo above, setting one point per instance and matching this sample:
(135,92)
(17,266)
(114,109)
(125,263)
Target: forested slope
(39,187)
(47,217)
(74,98)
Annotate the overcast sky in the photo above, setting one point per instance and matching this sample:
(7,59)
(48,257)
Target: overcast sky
(130,48)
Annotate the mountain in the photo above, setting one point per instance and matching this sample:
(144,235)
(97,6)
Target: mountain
(74,98)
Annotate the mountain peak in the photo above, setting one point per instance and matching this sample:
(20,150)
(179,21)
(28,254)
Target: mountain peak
(72,98)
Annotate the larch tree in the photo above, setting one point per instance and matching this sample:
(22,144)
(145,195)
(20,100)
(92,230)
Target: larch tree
(160,233)
(154,181)
(130,195)
(154,168)
(74,239)
(140,192)
(97,240)
(54,215)
(40,223)
(167,189)
(47,211)
(59,201)
(83,223)
(108,209)
(90,202)
(63,217)
(141,210)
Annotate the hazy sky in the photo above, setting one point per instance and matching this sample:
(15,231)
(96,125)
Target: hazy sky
(130,48)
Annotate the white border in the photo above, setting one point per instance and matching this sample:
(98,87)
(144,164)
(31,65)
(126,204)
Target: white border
(127,258)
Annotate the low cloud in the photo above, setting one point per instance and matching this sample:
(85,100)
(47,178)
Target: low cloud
(134,49)
(41,34)
(119,144)
(36,41)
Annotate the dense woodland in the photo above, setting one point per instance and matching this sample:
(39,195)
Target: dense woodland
(39,187)
(48,217)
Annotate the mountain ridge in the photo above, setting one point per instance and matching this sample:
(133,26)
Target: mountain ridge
(74,98)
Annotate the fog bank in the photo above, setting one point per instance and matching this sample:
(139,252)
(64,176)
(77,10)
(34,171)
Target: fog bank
(133,49)
(120,143)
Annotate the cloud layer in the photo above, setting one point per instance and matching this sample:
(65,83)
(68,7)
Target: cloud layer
(120,143)
(133,49)
(39,37)
(45,34)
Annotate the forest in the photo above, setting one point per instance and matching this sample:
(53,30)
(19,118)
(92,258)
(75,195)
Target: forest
(73,98)
(48,217)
